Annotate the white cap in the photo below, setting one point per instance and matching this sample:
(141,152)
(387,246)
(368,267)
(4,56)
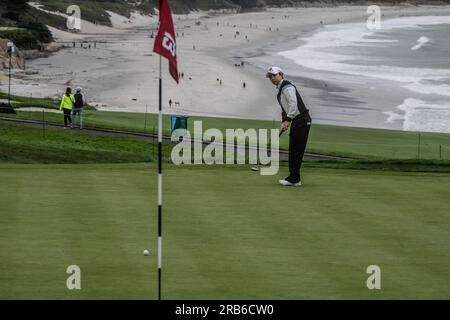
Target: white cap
(78,89)
(274,71)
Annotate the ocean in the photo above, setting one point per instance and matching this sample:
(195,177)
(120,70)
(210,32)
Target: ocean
(405,64)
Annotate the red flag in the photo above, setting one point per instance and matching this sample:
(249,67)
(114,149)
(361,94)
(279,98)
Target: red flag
(165,42)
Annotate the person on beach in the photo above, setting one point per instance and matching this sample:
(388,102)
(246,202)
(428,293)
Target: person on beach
(296,116)
(78,108)
(66,106)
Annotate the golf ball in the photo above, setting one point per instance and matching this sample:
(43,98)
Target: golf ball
(146,253)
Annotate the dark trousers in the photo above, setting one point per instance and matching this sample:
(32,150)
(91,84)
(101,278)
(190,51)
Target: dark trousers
(67,118)
(298,138)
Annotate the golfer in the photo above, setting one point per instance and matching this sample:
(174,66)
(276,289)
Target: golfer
(295,116)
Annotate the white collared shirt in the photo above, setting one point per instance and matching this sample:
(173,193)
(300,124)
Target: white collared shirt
(289,100)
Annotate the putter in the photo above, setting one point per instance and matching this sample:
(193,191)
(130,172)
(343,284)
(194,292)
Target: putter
(256,168)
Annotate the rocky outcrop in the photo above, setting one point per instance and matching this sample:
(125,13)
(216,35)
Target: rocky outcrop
(17,59)
(48,50)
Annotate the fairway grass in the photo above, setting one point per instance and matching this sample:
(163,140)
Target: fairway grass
(23,144)
(228,233)
(351,142)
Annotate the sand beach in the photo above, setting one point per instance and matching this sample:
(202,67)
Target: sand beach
(119,72)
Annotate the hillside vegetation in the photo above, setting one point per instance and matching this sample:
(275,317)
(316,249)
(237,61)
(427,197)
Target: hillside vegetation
(22,26)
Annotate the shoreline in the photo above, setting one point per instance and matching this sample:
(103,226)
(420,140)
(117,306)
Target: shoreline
(115,75)
(336,96)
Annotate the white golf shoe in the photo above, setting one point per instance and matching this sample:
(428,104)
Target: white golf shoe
(287,183)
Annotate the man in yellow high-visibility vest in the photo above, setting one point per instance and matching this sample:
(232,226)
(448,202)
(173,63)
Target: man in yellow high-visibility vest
(66,105)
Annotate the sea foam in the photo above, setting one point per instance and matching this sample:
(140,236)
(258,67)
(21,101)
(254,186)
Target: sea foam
(420,43)
(418,115)
(330,50)
(317,53)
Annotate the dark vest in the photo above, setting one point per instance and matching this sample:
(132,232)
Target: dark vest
(300,105)
(78,101)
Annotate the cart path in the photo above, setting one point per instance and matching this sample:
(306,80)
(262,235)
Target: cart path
(145,136)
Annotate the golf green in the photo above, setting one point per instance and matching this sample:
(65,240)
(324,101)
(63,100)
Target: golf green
(228,233)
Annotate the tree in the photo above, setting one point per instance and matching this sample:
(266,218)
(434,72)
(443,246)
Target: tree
(14,9)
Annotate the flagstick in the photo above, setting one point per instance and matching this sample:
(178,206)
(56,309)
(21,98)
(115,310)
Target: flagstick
(160,182)
(165,46)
